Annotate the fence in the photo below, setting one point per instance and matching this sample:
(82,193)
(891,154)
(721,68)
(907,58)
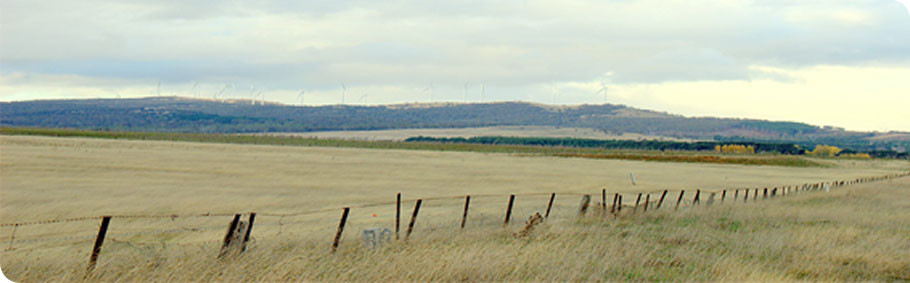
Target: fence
(452,212)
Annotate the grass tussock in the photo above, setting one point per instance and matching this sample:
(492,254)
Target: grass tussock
(574,152)
(856,233)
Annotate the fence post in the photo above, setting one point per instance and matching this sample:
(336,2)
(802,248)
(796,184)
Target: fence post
(464,216)
(647,200)
(765,193)
(229,236)
(249,229)
(603,198)
(397,214)
(723,196)
(735,195)
(99,240)
(619,204)
(755,196)
(679,200)
(636,203)
(583,207)
(696,200)
(344,219)
(509,210)
(661,201)
(550,204)
(613,207)
(413,219)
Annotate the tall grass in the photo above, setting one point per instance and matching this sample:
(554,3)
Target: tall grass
(853,234)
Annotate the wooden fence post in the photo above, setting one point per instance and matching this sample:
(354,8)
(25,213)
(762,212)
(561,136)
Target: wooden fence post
(755,196)
(344,219)
(723,196)
(679,200)
(550,204)
(696,200)
(509,210)
(413,219)
(229,235)
(619,204)
(661,201)
(615,199)
(583,207)
(99,240)
(735,195)
(636,203)
(765,193)
(647,200)
(397,214)
(603,199)
(464,216)
(249,229)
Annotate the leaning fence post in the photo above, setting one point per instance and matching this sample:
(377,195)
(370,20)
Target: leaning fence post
(583,207)
(661,201)
(249,229)
(723,196)
(397,214)
(647,200)
(636,203)
(696,200)
(615,198)
(99,240)
(765,193)
(679,200)
(550,204)
(464,216)
(509,210)
(735,195)
(344,219)
(413,219)
(229,236)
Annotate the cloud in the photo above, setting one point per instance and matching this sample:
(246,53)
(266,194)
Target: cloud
(518,49)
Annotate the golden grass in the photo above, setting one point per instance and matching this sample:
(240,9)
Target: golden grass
(860,233)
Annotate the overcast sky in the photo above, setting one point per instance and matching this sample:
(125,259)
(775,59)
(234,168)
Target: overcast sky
(825,62)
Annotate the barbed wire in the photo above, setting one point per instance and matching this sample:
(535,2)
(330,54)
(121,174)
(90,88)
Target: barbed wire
(310,212)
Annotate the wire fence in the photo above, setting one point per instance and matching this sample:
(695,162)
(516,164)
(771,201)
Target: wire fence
(447,212)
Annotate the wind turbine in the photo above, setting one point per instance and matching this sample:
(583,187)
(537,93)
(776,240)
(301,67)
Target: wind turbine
(300,97)
(344,89)
(193,89)
(252,95)
(261,98)
(364,98)
(220,92)
(603,89)
(483,91)
(429,91)
(158,90)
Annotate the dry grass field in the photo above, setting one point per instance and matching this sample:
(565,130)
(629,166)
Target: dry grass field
(854,233)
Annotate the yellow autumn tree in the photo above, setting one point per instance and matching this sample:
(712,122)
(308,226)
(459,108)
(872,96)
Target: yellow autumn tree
(735,148)
(825,150)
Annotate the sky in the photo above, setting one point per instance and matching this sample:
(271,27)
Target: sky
(823,62)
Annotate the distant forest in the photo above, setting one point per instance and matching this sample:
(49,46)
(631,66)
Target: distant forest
(183,115)
(781,148)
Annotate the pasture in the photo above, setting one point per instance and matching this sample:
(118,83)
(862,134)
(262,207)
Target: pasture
(299,193)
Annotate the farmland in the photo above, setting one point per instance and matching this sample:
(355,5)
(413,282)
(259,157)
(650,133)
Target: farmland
(57,178)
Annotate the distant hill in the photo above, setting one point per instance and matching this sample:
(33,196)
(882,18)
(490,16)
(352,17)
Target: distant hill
(174,114)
